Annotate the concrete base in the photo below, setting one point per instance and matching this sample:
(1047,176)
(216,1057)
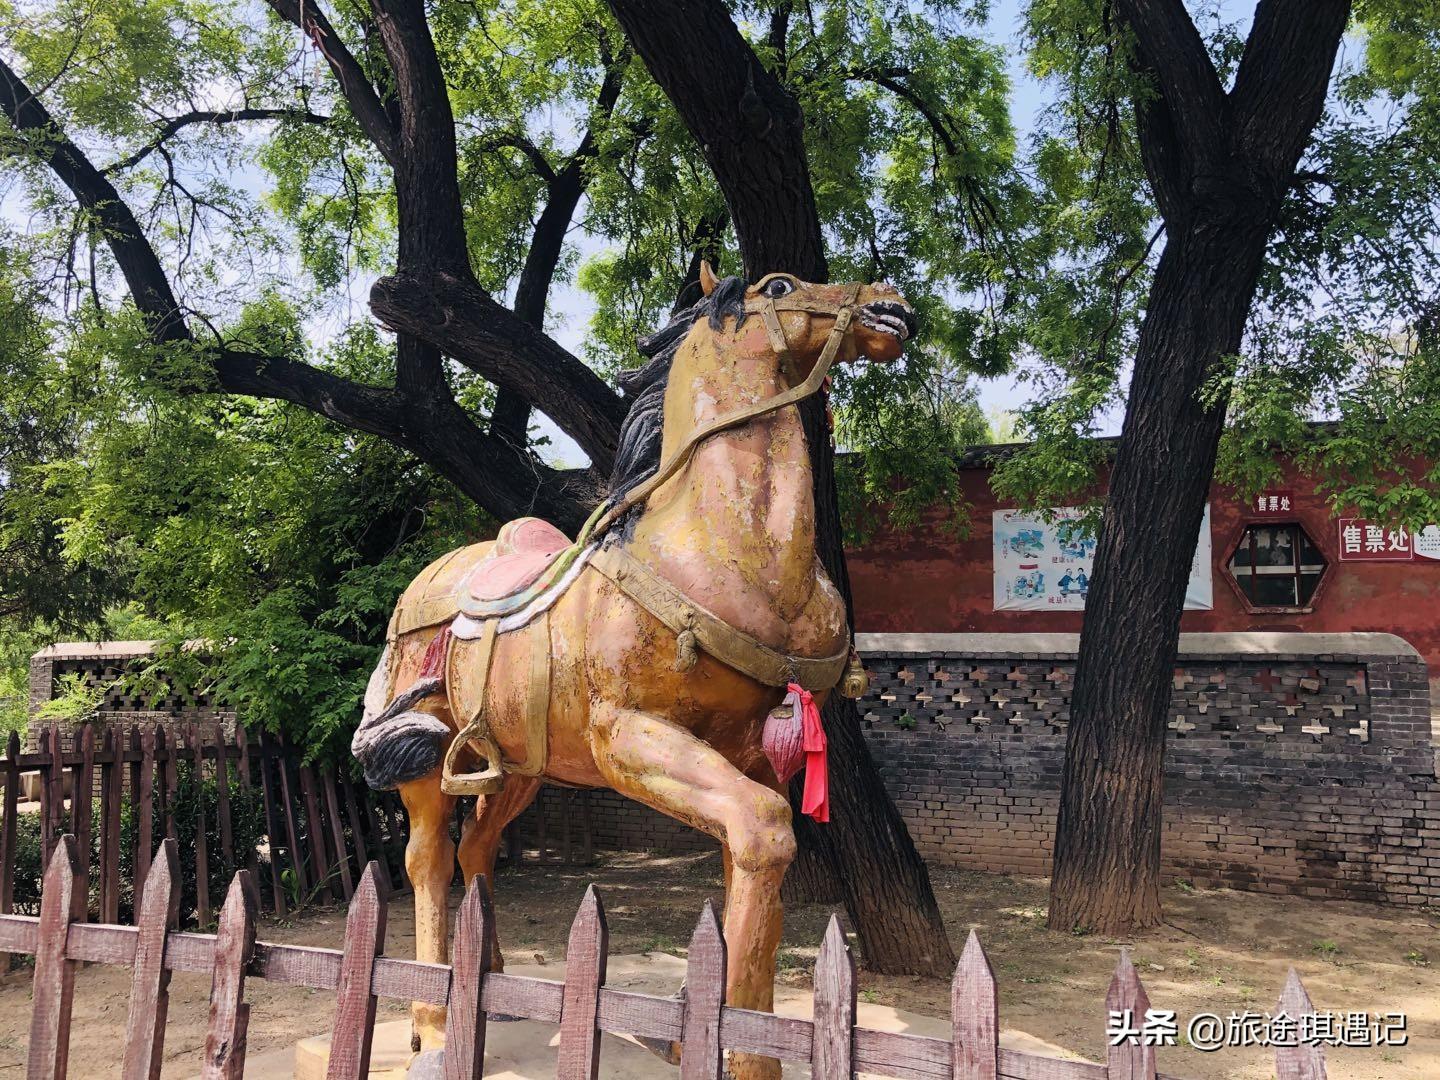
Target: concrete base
(525,1049)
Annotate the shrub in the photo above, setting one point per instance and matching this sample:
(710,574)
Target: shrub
(247,822)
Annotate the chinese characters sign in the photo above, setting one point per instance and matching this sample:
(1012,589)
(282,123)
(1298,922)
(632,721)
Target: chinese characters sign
(1046,565)
(1365,541)
(1209,1031)
(1273,502)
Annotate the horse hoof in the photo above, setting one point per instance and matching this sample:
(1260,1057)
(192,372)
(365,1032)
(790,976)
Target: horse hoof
(667,1050)
(429,1065)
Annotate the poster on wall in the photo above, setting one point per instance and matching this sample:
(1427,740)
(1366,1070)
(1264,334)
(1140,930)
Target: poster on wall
(1365,541)
(1426,542)
(1046,565)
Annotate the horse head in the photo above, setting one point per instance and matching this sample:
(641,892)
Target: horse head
(802,317)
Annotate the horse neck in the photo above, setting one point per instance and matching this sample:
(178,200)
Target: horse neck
(745,504)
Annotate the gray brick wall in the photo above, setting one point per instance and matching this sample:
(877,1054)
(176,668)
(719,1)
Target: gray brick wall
(1297,764)
(102,663)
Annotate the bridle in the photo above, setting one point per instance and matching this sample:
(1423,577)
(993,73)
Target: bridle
(768,308)
(695,628)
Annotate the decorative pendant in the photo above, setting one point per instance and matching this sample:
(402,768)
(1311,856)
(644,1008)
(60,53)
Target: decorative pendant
(783,740)
(687,653)
(856,683)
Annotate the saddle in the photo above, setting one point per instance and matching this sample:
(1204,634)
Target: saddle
(528,557)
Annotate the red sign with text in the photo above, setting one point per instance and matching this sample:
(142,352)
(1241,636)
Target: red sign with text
(1364,541)
(1273,502)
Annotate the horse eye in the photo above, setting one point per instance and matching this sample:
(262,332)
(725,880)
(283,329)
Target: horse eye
(778,287)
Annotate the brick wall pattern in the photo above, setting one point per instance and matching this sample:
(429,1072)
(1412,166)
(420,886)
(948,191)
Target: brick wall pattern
(1295,772)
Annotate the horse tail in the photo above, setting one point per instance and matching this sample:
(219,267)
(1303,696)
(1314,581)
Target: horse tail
(395,742)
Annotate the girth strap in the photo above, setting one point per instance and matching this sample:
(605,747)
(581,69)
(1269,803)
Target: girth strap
(733,648)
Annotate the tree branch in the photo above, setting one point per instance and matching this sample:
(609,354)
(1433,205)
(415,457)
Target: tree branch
(1172,50)
(144,276)
(1282,82)
(538,161)
(432,217)
(511,417)
(209,116)
(893,79)
(505,480)
(748,125)
(355,85)
(459,318)
(705,242)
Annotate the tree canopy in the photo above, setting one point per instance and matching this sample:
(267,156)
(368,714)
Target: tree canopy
(269,207)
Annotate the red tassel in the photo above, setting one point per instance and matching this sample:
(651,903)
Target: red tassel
(815,800)
(434,663)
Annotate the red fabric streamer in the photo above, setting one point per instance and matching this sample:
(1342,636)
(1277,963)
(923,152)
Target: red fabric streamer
(434,663)
(815,800)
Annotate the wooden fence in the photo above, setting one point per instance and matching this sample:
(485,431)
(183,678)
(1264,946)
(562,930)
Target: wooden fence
(831,1044)
(317,828)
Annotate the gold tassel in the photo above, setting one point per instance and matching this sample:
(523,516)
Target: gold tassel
(855,684)
(686,652)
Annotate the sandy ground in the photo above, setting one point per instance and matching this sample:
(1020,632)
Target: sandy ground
(1220,952)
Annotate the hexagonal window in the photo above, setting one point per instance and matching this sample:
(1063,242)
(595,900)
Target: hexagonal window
(1277,566)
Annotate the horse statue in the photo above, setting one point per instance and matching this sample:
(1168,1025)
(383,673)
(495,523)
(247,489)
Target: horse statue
(676,652)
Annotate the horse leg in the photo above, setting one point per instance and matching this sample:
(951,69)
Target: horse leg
(480,838)
(430,862)
(654,762)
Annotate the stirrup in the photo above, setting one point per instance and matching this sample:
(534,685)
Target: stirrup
(487,781)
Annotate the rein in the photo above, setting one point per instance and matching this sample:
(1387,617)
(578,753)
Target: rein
(768,308)
(695,628)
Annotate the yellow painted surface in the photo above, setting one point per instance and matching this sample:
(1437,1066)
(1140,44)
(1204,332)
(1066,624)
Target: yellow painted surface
(735,531)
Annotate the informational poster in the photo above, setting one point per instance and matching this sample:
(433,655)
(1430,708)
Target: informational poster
(1426,542)
(1045,565)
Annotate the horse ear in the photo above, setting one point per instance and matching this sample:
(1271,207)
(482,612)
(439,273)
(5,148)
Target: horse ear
(707,277)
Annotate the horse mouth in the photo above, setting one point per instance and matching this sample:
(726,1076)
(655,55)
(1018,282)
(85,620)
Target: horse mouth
(888,317)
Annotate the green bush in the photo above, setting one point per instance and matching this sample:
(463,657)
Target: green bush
(247,822)
(247,827)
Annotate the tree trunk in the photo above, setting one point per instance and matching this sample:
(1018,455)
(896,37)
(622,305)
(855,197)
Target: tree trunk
(750,130)
(864,856)
(1219,166)
(1106,874)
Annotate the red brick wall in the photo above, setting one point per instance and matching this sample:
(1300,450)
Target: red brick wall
(925,580)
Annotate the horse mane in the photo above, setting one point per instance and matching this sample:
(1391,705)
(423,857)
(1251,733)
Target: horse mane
(638,455)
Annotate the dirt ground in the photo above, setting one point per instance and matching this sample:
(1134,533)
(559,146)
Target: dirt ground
(1220,952)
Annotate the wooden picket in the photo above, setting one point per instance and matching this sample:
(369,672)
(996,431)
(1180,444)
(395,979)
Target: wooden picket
(150,979)
(831,1044)
(974,1015)
(704,1057)
(319,828)
(465,1025)
(355,1002)
(579,1056)
(229,1014)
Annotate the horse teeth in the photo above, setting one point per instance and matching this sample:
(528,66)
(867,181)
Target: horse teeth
(890,324)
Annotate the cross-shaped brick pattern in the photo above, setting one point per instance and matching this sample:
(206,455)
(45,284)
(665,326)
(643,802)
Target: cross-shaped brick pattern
(1236,701)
